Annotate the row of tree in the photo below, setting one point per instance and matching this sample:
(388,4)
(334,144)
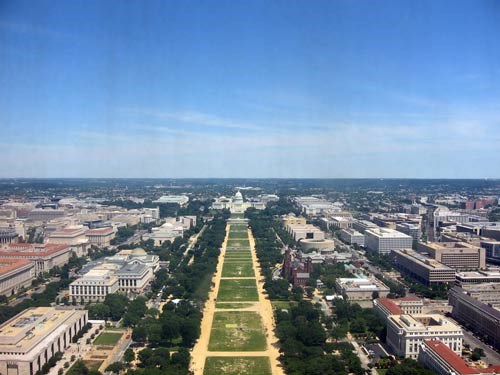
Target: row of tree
(169,334)
(299,328)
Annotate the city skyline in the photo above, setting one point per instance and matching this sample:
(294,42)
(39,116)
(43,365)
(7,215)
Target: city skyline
(341,89)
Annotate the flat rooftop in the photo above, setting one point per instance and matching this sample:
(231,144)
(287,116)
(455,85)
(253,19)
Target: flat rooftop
(33,326)
(386,233)
(422,259)
(428,322)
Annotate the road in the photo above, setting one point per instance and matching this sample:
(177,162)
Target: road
(318,298)
(136,238)
(492,357)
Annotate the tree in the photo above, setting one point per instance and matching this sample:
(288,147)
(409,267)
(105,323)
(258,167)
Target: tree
(182,357)
(117,304)
(139,334)
(170,327)
(129,356)
(477,353)
(190,331)
(99,311)
(115,367)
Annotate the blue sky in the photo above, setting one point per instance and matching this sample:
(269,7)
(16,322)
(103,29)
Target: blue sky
(250,88)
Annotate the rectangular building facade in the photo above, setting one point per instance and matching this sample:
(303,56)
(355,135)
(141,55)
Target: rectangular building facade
(480,317)
(31,338)
(405,333)
(424,269)
(383,240)
(457,255)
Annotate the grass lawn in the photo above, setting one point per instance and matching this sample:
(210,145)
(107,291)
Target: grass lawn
(237,331)
(283,304)
(237,366)
(233,305)
(238,242)
(237,290)
(236,255)
(238,269)
(107,338)
(237,237)
(238,230)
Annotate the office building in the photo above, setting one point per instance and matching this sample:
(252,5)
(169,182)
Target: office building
(392,220)
(181,200)
(45,215)
(441,360)
(362,225)
(44,256)
(339,222)
(477,277)
(8,235)
(31,338)
(352,237)
(457,255)
(482,318)
(443,217)
(315,206)
(362,288)
(382,240)
(492,248)
(488,293)
(15,275)
(74,236)
(405,333)
(412,230)
(418,209)
(100,237)
(398,306)
(424,269)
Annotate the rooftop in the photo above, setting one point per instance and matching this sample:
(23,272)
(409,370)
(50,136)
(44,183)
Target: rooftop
(422,259)
(8,265)
(450,357)
(428,322)
(386,233)
(32,327)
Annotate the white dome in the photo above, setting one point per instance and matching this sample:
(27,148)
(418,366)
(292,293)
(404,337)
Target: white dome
(238,195)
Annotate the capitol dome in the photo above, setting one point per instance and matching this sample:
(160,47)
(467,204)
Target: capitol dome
(238,197)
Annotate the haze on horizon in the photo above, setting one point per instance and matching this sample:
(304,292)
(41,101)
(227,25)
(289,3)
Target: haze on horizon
(285,89)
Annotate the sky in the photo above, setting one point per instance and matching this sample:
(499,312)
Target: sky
(287,89)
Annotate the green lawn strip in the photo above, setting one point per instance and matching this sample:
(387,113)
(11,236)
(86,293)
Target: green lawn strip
(238,243)
(237,331)
(237,290)
(239,254)
(237,366)
(238,269)
(107,338)
(233,305)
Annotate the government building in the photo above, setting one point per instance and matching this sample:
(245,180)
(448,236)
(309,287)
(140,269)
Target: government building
(31,338)
(129,272)
(235,204)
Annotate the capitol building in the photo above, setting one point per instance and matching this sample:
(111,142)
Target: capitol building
(234,204)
